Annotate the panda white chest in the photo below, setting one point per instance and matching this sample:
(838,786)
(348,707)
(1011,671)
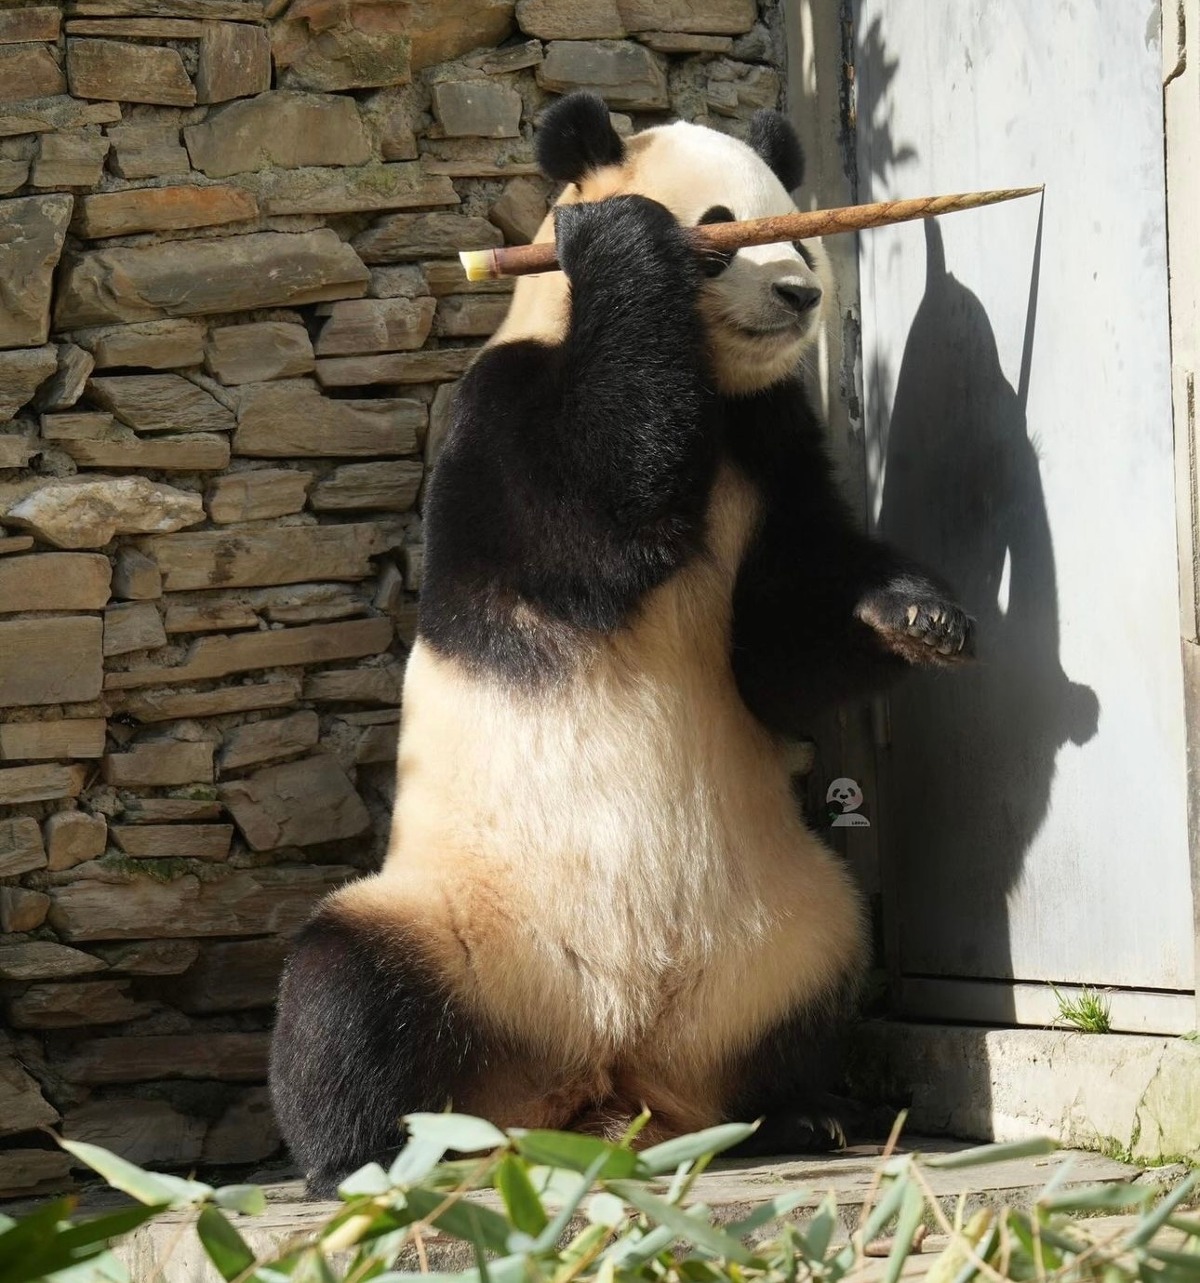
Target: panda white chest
(636,808)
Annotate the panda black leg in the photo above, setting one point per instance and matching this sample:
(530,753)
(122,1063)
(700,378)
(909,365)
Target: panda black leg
(364,1034)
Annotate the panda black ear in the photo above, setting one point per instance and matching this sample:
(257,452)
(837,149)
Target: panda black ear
(576,136)
(772,136)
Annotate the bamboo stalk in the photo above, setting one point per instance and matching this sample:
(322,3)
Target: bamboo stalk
(724,238)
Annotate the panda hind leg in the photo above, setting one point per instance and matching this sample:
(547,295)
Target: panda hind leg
(366,1031)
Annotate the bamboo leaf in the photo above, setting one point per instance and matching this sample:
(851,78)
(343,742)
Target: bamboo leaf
(687,1226)
(368,1180)
(686,1149)
(912,1208)
(463,1219)
(549,1237)
(766,1212)
(415,1161)
(1156,1219)
(1098,1198)
(226,1248)
(577,1153)
(521,1201)
(979,1155)
(146,1187)
(455,1131)
(247,1199)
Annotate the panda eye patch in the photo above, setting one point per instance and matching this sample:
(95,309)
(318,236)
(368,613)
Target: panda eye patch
(806,254)
(713,263)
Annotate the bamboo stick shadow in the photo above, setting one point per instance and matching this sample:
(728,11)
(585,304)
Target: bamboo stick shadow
(974,752)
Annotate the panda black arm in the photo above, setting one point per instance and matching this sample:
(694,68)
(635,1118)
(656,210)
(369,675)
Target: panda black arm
(576,474)
(822,613)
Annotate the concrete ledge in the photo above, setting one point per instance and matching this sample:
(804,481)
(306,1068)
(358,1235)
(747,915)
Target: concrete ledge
(1126,1095)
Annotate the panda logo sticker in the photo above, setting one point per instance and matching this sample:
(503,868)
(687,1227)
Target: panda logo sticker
(844,797)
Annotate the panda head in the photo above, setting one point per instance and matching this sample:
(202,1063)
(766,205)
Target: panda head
(763,306)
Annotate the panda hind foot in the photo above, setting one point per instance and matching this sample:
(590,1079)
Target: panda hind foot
(917,621)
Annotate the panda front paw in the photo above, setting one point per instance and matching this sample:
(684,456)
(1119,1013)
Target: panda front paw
(917,621)
(620,238)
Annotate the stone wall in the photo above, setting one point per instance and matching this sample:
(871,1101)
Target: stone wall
(230,321)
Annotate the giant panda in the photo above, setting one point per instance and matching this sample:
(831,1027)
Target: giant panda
(598,893)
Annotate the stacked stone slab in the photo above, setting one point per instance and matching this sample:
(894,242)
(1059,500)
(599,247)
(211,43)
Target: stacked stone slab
(231,317)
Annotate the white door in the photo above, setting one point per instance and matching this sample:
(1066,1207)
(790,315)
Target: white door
(1016,367)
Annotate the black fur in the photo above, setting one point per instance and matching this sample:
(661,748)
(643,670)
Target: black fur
(576,478)
(814,591)
(363,1033)
(576,136)
(772,136)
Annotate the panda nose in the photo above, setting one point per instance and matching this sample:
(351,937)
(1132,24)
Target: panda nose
(799,298)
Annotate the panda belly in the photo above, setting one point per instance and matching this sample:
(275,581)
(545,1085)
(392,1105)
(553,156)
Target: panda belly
(610,871)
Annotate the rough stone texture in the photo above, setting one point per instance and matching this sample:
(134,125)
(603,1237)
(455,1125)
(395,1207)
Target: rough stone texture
(174,841)
(55,581)
(259,742)
(269,901)
(29,71)
(213,657)
(411,367)
(117,70)
(154,209)
(73,837)
(86,1002)
(22,1106)
(252,496)
(234,62)
(38,741)
(73,159)
(230,1057)
(278,129)
(384,487)
(88,513)
(21,372)
(402,185)
(159,345)
(20,846)
(22,910)
(299,804)
(32,231)
(135,577)
(470,315)
(258,352)
(20,784)
(146,1132)
(38,22)
(146,149)
(623,73)
(160,403)
(167,705)
(399,238)
(45,960)
(50,660)
(519,210)
(193,278)
(195,452)
(160,764)
(243,559)
(130,626)
(290,418)
(477,109)
(375,325)
(343,152)
(66,385)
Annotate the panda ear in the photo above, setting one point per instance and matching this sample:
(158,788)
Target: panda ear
(772,136)
(575,137)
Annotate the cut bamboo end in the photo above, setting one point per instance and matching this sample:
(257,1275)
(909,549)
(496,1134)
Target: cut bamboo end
(479,264)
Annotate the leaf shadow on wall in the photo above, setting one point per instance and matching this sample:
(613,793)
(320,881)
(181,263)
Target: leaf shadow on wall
(973,752)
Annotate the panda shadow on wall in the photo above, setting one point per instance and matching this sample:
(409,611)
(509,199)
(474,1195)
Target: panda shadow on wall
(963,486)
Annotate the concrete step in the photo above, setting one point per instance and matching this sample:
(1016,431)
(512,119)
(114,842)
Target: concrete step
(167,1249)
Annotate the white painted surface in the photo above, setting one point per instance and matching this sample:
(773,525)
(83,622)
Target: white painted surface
(1035,820)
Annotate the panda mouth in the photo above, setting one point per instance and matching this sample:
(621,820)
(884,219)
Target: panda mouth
(787,329)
